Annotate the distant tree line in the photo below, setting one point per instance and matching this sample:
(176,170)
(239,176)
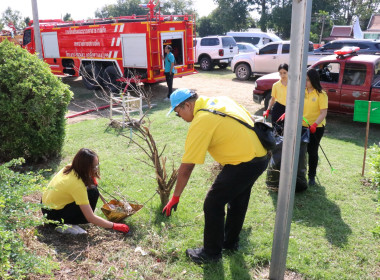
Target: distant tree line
(235,15)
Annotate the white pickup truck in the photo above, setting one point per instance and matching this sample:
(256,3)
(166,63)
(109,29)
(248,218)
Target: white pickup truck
(215,50)
(266,61)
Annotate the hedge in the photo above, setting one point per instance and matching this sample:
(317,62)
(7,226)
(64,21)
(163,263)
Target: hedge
(33,103)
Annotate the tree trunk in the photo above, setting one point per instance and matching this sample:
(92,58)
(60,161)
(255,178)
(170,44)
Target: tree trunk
(164,196)
(263,19)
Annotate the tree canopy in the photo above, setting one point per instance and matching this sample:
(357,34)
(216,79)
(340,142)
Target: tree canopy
(12,16)
(131,7)
(276,15)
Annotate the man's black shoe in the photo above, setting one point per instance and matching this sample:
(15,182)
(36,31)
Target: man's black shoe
(199,256)
(312,181)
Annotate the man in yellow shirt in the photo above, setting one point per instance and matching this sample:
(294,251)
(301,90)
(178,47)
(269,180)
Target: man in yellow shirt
(234,146)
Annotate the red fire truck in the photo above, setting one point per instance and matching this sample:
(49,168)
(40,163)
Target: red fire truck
(116,50)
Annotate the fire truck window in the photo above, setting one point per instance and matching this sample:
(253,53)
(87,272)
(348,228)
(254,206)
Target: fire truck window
(328,72)
(354,74)
(27,37)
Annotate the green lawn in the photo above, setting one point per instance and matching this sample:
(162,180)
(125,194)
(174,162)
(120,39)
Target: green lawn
(330,236)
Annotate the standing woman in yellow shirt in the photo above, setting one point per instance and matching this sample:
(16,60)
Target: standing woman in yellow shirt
(278,101)
(72,195)
(314,111)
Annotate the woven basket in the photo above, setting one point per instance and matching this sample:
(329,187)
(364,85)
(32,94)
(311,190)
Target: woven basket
(115,215)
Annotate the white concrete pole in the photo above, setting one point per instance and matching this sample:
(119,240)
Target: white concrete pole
(300,29)
(36,25)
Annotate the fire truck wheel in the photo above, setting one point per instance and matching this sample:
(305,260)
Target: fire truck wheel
(90,77)
(110,76)
(205,63)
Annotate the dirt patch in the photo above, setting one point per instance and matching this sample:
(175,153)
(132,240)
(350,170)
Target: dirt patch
(263,273)
(204,83)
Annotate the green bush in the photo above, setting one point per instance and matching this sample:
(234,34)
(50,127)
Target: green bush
(33,103)
(17,215)
(375,165)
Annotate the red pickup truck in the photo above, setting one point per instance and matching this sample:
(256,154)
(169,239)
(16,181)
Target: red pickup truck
(345,78)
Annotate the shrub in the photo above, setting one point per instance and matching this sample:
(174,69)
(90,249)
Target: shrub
(375,178)
(375,165)
(16,215)
(33,103)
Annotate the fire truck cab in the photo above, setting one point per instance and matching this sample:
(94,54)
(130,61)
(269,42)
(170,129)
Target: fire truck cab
(113,51)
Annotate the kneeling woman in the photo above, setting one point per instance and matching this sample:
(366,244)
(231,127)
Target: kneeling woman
(72,195)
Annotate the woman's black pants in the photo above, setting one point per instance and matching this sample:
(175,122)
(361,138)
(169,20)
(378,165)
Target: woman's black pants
(233,187)
(312,150)
(71,213)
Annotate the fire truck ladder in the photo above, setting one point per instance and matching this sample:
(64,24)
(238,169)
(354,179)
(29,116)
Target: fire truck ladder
(154,44)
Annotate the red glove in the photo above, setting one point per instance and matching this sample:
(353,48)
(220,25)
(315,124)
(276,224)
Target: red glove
(281,118)
(172,204)
(266,113)
(120,227)
(313,128)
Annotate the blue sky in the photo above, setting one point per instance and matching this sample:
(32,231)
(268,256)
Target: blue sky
(79,9)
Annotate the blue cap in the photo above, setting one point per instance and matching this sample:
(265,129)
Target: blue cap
(178,96)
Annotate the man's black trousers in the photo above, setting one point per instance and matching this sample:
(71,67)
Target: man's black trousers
(169,80)
(71,213)
(233,187)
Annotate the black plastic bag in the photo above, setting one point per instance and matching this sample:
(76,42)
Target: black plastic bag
(273,170)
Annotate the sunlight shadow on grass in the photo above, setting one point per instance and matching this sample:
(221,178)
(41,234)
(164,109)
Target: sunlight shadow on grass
(313,209)
(213,271)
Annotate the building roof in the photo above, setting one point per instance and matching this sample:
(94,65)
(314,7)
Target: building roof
(340,32)
(374,23)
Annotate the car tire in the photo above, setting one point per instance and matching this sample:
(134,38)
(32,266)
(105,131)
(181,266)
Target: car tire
(110,75)
(267,98)
(90,76)
(243,72)
(222,65)
(205,63)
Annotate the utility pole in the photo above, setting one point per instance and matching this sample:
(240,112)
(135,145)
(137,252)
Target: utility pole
(323,25)
(36,25)
(300,32)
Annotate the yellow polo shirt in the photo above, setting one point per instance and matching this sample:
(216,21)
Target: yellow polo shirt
(313,104)
(227,140)
(279,92)
(65,189)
